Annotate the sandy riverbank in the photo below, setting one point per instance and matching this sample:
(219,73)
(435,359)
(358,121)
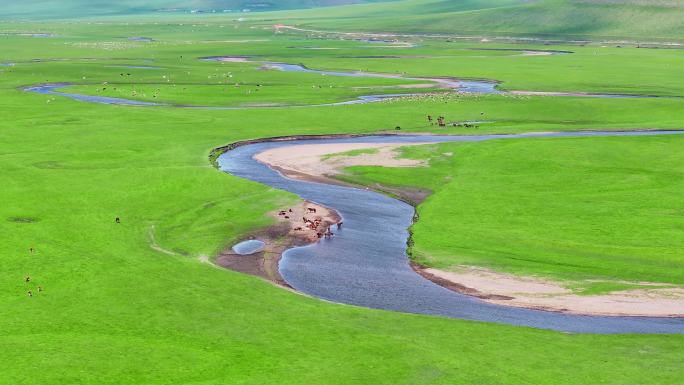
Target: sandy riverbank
(651,299)
(320,160)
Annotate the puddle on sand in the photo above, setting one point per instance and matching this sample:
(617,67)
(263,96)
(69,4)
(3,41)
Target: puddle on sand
(249,247)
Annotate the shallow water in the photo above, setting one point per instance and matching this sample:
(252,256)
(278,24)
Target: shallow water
(249,247)
(141,39)
(524,50)
(136,67)
(365,263)
(25,34)
(52,89)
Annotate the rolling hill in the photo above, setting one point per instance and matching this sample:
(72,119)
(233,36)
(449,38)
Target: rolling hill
(576,19)
(633,19)
(38,9)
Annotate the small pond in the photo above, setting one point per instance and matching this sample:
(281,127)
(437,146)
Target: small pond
(249,247)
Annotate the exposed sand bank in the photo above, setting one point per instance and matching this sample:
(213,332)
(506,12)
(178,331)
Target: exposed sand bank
(233,59)
(536,293)
(322,160)
(536,53)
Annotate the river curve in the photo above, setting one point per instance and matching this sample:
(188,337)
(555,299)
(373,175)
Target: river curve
(366,263)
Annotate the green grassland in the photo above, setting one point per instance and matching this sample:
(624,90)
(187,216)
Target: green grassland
(589,69)
(134,304)
(580,19)
(71,9)
(236,85)
(578,209)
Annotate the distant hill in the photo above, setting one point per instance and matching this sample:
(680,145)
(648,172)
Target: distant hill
(657,19)
(38,9)
(643,20)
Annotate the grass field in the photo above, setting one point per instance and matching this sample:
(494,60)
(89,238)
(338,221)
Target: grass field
(133,304)
(578,209)
(580,19)
(589,69)
(71,9)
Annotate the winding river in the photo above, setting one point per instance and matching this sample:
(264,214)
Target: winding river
(366,264)
(473,86)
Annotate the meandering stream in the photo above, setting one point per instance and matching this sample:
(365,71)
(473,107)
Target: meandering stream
(456,85)
(365,264)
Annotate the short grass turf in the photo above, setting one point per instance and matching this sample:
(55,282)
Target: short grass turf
(115,311)
(133,304)
(572,208)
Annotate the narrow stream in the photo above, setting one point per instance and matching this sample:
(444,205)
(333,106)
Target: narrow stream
(455,85)
(365,263)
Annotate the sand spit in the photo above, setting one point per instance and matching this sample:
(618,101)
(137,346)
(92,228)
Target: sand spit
(326,160)
(659,300)
(290,230)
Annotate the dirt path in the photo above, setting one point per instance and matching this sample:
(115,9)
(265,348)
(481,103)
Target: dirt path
(481,38)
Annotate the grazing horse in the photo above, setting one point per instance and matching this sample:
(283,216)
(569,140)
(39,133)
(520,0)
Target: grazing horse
(29,293)
(117,220)
(339,225)
(311,210)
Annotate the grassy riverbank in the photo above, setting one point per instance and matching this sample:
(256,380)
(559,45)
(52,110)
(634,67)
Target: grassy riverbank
(580,209)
